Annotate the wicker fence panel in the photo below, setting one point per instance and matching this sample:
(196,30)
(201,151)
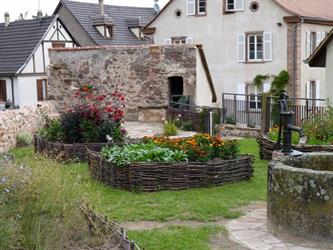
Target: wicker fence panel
(152,177)
(63,151)
(267,146)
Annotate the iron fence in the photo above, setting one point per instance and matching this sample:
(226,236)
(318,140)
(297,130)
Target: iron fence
(241,109)
(259,110)
(195,118)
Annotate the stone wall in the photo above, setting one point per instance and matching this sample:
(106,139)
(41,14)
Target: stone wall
(140,72)
(25,120)
(300,196)
(237,131)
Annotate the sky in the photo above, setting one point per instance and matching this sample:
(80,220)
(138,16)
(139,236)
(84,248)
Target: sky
(15,7)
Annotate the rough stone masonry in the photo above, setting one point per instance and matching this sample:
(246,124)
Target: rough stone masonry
(141,73)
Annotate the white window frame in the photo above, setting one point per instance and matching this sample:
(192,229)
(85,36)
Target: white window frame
(201,13)
(254,92)
(256,59)
(239,3)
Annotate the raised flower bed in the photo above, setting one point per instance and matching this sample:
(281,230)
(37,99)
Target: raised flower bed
(166,164)
(90,123)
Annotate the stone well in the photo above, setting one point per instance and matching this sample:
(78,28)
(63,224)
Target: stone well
(300,196)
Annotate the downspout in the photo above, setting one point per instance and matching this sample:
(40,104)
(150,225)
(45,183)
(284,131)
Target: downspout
(294,30)
(13,96)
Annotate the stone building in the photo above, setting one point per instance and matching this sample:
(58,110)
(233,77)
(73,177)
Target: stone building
(149,76)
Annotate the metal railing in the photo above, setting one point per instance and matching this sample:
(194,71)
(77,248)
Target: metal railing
(179,100)
(202,118)
(250,110)
(241,109)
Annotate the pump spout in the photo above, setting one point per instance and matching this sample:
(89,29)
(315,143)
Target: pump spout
(302,138)
(297,129)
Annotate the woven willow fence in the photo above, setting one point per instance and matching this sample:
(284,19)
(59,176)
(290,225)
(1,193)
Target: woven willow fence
(99,224)
(152,177)
(62,151)
(267,146)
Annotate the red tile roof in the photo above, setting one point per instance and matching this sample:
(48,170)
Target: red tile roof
(317,9)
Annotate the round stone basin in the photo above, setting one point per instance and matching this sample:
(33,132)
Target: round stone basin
(300,196)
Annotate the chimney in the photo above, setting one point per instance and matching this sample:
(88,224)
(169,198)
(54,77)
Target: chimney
(101,6)
(7,19)
(39,14)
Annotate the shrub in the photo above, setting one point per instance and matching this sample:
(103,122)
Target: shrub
(201,147)
(231,120)
(91,118)
(273,134)
(170,128)
(143,152)
(52,131)
(319,130)
(23,139)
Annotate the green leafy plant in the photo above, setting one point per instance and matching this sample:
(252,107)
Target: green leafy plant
(273,134)
(231,120)
(170,128)
(52,131)
(280,83)
(142,153)
(259,80)
(23,139)
(319,130)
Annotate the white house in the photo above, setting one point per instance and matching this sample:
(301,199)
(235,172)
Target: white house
(244,38)
(24,57)
(322,57)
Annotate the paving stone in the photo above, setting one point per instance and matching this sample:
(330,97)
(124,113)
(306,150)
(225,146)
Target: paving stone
(251,231)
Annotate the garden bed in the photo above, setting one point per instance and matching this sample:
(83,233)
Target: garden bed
(267,146)
(63,151)
(152,177)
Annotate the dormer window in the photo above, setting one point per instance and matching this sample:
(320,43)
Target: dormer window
(109,31)
(104,25)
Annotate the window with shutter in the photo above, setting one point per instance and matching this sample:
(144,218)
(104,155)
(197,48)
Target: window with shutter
(308,44)
(233,5)
(318,89)
(3,91)
(241,48)
(311,89)
(190,7)
(268,48)
(241,91)
(41,90)
(255,47)
(239,5)
(254,97)
(201,7)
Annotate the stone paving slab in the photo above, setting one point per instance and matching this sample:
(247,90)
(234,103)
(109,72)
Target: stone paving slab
(142,129)
(251,232)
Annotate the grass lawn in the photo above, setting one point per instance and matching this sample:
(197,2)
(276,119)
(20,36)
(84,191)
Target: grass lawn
(207,204)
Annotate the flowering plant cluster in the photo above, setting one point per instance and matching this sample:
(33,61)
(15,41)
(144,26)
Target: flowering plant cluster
(90,118)
(200,147)
(319,130)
